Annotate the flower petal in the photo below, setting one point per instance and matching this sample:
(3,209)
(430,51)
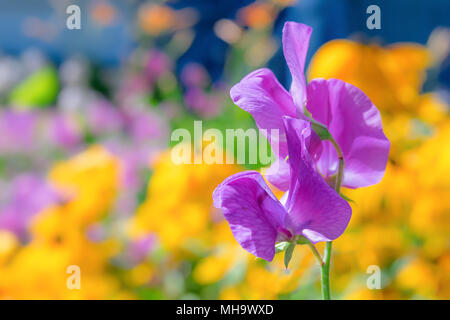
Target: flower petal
(278,174)
(295,47)
(260,94)
(355,123)
(252,211)
(315,210)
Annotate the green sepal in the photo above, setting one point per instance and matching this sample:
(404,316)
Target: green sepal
(321,130)
(288,253)
(302,240)
(281,246)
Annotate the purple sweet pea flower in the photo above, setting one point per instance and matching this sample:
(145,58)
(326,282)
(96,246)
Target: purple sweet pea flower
(312,208)
(350,116)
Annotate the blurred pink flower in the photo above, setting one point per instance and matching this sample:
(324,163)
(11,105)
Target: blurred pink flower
(145,126)
(65,131)
(17,129)
(157,65)
(29,194)
(103,117)
(96,233)
(202,103)
(194,75)
(140,248)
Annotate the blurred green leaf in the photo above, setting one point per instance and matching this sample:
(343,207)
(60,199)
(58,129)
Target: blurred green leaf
(39,90)
(146,293)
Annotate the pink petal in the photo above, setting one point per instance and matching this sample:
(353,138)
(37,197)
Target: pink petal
(355,123)
(315,210)
(295,47)
(260,94)
(278,174)
(252,211)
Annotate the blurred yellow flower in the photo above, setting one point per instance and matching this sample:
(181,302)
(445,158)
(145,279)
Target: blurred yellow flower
(230,293)
(214,267)
(89,182)
(179,207)
(431,160)
(141,274)
(431,109)
(392,77)
(39,269)
(269,280)
(364,294)
(419,277)
(406,214)
(8,244)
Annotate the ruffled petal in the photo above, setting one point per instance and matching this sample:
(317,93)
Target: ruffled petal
(355,123)
(260,94)
(315,210)
(278,174)
(295,47)
(253,212)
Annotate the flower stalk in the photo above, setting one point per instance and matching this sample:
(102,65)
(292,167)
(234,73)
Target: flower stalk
(325,271)
(325,262)
(325,267)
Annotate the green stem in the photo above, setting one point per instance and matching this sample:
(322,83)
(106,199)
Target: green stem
(327,255)
(340,173)
(323,132)
(325,271)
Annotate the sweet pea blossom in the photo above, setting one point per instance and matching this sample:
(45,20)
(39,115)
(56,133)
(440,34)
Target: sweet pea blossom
(312,209)
(352,119)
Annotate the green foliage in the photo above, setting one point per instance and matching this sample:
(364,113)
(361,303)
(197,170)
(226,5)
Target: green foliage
(40,89)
